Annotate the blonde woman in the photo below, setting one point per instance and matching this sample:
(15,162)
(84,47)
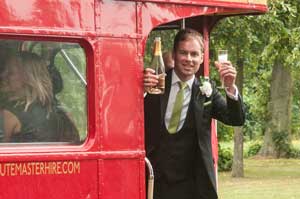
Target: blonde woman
(30,113)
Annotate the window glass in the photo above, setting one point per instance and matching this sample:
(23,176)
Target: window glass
(42,92)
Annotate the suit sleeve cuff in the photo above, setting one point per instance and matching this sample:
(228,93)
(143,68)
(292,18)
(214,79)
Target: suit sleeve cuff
(232,96)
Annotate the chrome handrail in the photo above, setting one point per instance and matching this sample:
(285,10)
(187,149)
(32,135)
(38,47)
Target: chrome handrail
(150,179)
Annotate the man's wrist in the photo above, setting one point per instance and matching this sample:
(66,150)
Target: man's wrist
(231,89)
(232,92)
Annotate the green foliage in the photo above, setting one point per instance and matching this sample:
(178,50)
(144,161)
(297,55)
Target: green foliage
(225,159)
(260,41)
(295,120)
(296,105)
(282,26)
(284,147)
(167,38)
(253,148)
(293,152)
(257,42)
(281,143)
(225,133)
(73,97)
(238,36)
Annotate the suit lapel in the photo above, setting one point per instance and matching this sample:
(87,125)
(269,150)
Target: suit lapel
(198,101)
(202,133)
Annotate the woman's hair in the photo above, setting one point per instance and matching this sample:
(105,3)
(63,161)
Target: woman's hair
(37,83)
(186,34)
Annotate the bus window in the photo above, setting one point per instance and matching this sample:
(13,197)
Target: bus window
(42,92)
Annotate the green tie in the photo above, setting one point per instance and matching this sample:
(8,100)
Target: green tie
(174,121)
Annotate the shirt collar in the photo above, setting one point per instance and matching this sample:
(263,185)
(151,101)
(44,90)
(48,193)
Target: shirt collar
(176,79)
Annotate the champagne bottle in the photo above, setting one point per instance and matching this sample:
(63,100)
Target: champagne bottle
(157,64)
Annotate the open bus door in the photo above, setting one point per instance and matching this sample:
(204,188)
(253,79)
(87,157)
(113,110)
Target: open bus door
(93,51)
(204,24)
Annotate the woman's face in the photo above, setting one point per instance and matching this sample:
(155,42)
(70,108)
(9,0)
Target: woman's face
(12,77)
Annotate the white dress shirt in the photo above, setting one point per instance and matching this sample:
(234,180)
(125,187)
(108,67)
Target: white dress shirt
(186,99)
(172,97)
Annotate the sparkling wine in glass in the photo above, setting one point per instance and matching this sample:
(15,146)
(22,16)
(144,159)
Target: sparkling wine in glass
(222,57)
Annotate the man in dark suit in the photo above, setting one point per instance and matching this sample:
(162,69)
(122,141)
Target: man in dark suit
(181,151)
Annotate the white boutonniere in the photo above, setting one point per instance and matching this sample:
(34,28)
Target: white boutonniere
(205,87)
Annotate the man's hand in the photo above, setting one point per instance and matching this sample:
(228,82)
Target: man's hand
(150,79)
(227,74)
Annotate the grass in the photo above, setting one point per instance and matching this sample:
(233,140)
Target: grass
(264,179)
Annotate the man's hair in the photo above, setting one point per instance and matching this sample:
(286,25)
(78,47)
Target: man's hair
(185,34)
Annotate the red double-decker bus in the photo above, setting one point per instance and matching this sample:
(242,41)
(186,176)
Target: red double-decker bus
(93,51)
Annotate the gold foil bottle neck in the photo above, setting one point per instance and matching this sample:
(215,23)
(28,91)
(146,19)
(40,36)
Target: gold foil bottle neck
(157,46)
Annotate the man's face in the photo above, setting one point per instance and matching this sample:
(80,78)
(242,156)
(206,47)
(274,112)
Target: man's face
(188,57)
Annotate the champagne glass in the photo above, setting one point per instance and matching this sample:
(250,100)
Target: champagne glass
(222,57)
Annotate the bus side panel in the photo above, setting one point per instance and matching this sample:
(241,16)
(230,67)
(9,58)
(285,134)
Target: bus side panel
(66,14)
(118,18)
(70,179)
(120,179)
(156,14)
(122,95)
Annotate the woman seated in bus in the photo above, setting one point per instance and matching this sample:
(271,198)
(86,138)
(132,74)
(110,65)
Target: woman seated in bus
(30,113)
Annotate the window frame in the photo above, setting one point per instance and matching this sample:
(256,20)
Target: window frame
(86,143)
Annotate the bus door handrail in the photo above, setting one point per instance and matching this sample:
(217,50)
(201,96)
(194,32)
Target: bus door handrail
(150,179)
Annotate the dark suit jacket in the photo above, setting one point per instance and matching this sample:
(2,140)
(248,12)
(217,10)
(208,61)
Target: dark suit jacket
(228,111)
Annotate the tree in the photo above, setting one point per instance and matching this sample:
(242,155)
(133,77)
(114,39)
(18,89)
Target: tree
(278,132)
(231,34)
(267,42)
(282,26)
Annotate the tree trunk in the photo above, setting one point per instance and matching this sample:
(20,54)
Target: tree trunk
(238,160)
(279,111)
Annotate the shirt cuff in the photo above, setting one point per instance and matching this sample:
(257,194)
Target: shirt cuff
(234,96)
